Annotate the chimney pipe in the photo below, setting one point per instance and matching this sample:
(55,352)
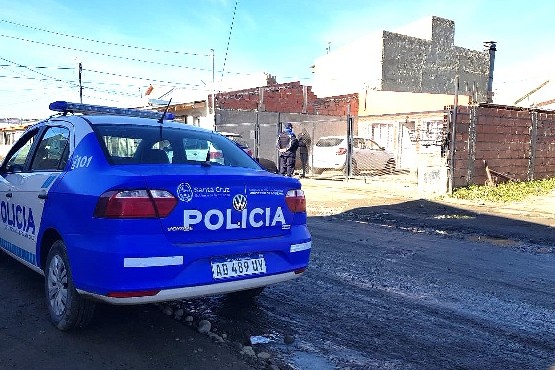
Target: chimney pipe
(491,46)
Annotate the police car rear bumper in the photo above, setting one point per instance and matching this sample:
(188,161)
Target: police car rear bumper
(142,268)
(197,291)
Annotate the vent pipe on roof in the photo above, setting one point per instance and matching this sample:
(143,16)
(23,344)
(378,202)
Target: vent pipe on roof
(491,46)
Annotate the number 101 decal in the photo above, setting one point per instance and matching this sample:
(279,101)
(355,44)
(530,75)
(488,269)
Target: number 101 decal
(81,161)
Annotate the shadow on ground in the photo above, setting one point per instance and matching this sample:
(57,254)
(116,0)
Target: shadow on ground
(442,218)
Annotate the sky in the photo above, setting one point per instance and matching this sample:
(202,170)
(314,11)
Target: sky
(196,47)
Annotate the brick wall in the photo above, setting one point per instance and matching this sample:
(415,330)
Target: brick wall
(337,105)
(287,98)
(544,164)
(516,143)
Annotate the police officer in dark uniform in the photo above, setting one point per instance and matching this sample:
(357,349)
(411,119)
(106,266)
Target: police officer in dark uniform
(287,144)
(304,145)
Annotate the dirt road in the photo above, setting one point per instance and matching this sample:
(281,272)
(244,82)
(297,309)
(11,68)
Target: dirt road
(390,296)
(395,282)
(138,337)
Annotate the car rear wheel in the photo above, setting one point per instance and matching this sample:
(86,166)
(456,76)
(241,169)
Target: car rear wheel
(68,310)
(354,169)
(390,166)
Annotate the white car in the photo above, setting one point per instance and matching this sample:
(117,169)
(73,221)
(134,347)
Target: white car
(330,153)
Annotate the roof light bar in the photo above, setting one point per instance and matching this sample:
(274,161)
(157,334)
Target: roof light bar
(64,107)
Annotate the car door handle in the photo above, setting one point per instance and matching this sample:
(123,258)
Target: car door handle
(43,195)
(9,195)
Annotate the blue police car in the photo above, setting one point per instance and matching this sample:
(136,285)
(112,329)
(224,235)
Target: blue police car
(127,207)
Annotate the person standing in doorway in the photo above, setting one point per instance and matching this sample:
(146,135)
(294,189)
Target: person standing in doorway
(304,145)
(287,145)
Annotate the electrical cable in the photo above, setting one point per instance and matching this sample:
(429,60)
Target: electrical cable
(139,78)
(103,54)
(35,67)
(39,73)
(229,37)
(102,42)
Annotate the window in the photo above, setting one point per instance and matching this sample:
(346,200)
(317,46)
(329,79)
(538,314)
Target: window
(358,143)
(123,147)
(17,160)
(53,150)
(373,145)
(329,141)
(134,144)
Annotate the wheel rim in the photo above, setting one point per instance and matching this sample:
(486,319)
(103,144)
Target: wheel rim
(57,285)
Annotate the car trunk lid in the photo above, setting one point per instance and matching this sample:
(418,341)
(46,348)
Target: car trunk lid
(223,203)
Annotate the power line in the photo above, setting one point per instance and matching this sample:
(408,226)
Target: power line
(229,36)
(39,73)
(35,67)
(24,78)
(222,72)
(111,92)
(139,78)
(102,42)
(89,83)
(103,54)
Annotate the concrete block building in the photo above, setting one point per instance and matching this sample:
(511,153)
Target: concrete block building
(419,58)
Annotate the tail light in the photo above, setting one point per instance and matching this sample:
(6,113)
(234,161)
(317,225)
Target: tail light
(296,201)
(341,151)
(135,204)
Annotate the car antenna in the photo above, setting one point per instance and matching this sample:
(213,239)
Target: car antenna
(161,120)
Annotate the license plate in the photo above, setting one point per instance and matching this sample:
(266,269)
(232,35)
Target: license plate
(238,267)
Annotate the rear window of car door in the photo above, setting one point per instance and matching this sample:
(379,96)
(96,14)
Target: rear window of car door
(52,151)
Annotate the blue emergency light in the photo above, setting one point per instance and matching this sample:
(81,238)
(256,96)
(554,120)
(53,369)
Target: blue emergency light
(65,107)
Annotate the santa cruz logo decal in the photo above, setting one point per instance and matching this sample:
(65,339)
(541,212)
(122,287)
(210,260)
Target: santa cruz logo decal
(239,202)
(184,192)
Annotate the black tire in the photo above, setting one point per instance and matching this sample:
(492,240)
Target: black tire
(246,295)
(390,166)
(68,310)
(354,169)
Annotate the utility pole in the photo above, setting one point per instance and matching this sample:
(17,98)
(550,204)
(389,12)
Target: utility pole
(80,83)
(451,136)
(213,87)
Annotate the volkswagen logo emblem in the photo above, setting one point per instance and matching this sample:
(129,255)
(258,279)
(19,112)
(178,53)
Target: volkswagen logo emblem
(239,202)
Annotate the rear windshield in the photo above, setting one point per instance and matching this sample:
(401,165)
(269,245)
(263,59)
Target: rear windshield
(239,140)
(329,141)
(131,144)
